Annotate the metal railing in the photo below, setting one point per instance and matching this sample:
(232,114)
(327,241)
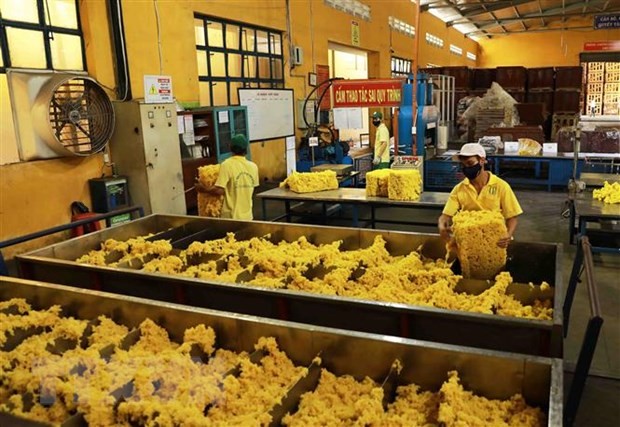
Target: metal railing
(4,271)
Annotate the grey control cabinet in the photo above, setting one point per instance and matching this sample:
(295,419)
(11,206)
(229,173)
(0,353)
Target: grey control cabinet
(145,148)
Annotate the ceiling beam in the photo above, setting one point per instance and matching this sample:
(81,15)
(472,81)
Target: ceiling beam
(542,20)
(543,15)
(558,11)
(539,30)
(519,16)
(443,4)
(492,7)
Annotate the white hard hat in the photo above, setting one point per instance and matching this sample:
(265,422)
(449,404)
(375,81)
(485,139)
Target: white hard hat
(471,149)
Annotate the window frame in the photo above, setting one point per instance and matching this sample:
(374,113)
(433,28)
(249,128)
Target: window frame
(395,72)
(47,30)
(247,82)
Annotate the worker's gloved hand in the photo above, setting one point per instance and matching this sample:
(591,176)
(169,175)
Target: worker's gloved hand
(199,187)
(505,241)
(376,160)
(445,228)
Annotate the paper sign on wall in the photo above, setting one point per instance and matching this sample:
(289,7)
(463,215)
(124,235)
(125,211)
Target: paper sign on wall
(222,116)
(157,89)
(313,141)
(355,33)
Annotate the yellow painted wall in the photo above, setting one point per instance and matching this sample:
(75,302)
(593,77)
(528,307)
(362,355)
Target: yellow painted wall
(442,56)
(36,195)
(540,49)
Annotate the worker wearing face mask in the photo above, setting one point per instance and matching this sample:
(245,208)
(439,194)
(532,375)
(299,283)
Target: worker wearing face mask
(382,138)
(480,190)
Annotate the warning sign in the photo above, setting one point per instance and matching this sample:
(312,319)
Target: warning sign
(157,89)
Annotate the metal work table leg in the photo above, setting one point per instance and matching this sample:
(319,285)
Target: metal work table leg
(593,328)
(287,208)
(355,214)
(324,207)
(264,203)
(372,216)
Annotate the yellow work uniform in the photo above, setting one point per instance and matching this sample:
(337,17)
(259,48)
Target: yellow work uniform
(238,177)
(382,134)
(495,196)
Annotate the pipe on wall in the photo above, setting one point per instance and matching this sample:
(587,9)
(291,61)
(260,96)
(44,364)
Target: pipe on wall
(117,30)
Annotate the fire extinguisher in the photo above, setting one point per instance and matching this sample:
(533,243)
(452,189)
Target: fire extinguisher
(80,211)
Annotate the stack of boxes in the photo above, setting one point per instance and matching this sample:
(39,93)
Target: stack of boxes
(541,84)
(611,90)
(513,80)
(594,84)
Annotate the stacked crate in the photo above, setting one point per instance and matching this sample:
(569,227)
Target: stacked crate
(482,80)
(513,80)
(462,81)
(541,84)
(567,96)
(595,85)
(611,89)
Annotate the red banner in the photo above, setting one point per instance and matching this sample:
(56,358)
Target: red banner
(602,45)
(367,93)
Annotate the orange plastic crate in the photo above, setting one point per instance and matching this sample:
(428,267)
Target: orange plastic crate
(596,77)
(611,109)
(612,66)
(611,98)
(596,67)
(612,77)
(612,87)
(595,87)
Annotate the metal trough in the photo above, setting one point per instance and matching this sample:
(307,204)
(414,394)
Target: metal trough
(528,262)
(487,373)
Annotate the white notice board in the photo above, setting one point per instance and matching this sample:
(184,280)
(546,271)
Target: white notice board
(270,112)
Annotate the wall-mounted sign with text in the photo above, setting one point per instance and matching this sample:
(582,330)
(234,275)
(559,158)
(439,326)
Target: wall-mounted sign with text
(604,22)
(367,93)
(607,45)
(157,89)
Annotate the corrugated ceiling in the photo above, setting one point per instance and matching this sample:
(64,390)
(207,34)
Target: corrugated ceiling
(489,18)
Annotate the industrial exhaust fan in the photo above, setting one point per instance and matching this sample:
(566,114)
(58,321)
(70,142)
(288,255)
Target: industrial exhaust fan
(59,114)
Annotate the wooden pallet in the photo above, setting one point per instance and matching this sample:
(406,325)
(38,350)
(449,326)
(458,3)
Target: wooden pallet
(488,118)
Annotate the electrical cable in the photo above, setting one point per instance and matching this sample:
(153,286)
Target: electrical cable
(123,50)
(161,64)
(49,16)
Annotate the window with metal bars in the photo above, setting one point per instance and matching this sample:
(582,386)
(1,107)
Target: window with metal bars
(401,67)
(41,34)
(233,55)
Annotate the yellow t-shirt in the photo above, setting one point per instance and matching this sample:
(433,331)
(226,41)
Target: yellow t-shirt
(495,196)
(382,134)
(238,177)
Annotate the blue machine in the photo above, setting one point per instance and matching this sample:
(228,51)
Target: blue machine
(405,117)
(427,115)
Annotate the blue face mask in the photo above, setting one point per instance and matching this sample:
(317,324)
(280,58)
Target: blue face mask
(471,172)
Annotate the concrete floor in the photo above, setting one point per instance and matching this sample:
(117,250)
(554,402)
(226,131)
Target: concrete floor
(542,222)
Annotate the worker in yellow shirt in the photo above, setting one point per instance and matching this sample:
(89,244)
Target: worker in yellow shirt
(480,190)
(236,182)
(382,140)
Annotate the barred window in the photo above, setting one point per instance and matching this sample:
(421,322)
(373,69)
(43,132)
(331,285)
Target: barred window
(233,55)
(41,34)
(401,67)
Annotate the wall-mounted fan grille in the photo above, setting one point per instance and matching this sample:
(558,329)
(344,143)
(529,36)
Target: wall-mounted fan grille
(81,116)
(59,114)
